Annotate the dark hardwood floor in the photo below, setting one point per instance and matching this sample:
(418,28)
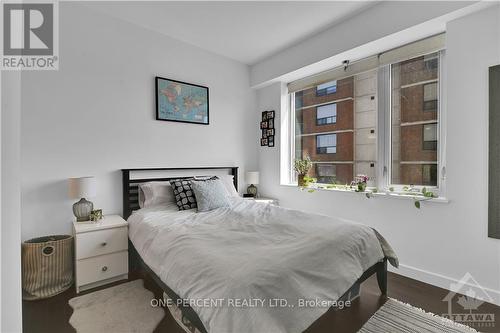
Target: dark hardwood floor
(52,315)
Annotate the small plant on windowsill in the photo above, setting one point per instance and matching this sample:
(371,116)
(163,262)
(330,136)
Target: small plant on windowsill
(427,195)
(359,183)
(413,192)
(302,167)
(369,194)
(307,182)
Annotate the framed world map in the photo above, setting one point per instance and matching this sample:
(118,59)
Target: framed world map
(181,101)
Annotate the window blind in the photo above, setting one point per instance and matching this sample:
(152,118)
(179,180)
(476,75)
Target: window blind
(408,51)
(325,111)
(328,140)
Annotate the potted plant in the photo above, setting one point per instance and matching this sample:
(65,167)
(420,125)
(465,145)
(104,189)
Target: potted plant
(360,182)
(302,167)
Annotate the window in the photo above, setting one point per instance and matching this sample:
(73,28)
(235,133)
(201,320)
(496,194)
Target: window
(349,148)
(430,137)
(430,96)
(429,174)
(326,173)
(414,130)
(326,88)
(431,61)
(326,114)
(326,144)
(388,108)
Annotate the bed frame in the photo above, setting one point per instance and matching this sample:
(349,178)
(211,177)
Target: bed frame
(131,203)
(131,190)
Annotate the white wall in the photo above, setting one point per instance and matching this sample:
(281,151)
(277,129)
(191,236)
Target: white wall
(332,46)
(96,115)
(10,217)
(441,242)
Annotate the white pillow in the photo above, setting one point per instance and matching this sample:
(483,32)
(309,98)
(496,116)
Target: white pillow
(155,193)
(227,181)
(141,195)
(210,194)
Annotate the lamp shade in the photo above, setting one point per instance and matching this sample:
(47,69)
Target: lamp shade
(252,177)
(84,187)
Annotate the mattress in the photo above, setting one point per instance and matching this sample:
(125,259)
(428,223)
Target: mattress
(254,267)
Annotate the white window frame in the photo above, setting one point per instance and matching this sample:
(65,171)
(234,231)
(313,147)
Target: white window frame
(384,134)
(288,126)
(383,145)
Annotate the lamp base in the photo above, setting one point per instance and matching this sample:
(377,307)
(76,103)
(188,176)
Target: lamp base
(82,210)
(252,190)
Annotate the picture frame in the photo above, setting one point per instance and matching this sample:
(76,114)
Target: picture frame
(267,128)
(182,102)
(493,154)
(270,141)
(96,215)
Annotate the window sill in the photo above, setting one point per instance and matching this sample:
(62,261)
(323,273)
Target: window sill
(412,197)
(387,194)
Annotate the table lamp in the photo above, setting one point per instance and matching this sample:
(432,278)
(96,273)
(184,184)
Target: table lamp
(81,188)
(252,178)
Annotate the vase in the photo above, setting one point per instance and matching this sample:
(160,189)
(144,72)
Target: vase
(252,190)
(301,180)
(361,187)
(82,210)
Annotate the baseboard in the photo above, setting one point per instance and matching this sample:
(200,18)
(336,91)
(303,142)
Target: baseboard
(447,283)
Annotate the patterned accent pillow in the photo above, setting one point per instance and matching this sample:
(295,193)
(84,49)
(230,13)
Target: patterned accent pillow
(210,194)
(183,192)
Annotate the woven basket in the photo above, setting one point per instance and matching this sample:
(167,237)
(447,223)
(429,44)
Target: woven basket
(47,266)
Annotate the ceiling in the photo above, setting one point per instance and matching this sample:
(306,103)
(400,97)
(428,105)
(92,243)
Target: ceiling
(244,31)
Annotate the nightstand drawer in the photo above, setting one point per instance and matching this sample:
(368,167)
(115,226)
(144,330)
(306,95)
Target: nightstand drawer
(95,243)
(100,268)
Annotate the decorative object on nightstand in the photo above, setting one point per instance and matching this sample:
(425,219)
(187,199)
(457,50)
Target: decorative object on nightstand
(265,200)
(81,188)
(101,252)
(96,215)
(252,178)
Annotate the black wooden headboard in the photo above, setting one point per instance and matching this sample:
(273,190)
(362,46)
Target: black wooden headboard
(130,185)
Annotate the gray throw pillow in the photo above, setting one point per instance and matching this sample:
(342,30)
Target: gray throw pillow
(210,194)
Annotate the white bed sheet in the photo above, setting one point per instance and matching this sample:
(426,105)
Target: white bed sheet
(255,251)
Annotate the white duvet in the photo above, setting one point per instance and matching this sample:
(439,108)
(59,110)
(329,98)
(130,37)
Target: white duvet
(259,264)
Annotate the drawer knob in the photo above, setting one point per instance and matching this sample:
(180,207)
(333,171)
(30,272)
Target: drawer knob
(104,244)
(104,268)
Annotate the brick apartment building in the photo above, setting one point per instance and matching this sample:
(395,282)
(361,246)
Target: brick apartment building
(336,128)
(415,83)
(336,125)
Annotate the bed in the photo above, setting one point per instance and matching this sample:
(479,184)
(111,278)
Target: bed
(251,267)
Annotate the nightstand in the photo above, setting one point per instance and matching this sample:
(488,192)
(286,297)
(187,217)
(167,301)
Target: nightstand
(265,200)
(101,252)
